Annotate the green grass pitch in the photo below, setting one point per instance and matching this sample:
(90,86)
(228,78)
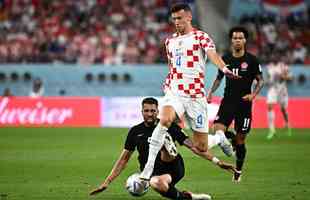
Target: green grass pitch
(66,163)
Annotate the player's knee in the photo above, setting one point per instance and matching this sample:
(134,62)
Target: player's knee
(159,184)
(219,126)
(167,116)
(166,121)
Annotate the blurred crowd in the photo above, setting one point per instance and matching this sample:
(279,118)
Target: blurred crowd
(83,31)
(282,38)
(124,31)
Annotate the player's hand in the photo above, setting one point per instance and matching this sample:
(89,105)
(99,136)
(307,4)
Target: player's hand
(227,166)
(228,73)
(209,97)
(248,97)
(101,188)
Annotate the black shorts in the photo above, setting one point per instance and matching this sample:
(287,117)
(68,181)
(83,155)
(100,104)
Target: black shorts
(175,169)
(239,111)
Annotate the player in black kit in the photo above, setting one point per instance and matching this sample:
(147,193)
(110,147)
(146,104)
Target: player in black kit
(238,95)
(169,169)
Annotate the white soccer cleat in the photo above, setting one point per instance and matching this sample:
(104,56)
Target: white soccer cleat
(226,146)
(200,196)
(237,177)
(170,145)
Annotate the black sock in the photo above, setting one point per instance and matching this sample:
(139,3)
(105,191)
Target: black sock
(229,135)
(174,193)
(240,154)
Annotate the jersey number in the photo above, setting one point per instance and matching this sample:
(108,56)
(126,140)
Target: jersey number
(235,71)
(199,121)
(246,123)
(178,61)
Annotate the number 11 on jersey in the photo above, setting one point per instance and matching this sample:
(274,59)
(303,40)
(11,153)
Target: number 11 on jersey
(235,71)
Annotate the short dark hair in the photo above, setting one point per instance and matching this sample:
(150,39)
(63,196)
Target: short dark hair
(149,100)
(239,29)
(180,6)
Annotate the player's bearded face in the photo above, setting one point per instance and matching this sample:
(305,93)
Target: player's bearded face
(182,21)
(149,112)
(238,41)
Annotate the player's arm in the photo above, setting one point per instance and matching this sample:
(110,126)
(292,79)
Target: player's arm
(286,76)
(118,167)
(258,86)
(220,64)
(216,83)
(208,47)
(208,156)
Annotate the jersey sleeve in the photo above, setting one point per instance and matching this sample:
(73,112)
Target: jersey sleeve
(257,70)
(130,143)
(220,73)
(205,41)
(177,133)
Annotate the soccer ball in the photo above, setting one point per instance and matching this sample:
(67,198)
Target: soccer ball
(135,186)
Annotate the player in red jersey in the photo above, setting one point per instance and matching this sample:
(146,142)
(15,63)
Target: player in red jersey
(187,51)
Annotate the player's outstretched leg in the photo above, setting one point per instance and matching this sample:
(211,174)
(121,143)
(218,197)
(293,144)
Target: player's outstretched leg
(170,145)
(200,196)
(156,143)
(225,144)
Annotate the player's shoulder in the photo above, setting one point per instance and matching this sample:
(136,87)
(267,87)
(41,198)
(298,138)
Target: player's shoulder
(227,55)
(198,31)
(251,56)
(170,37)
(136,128)
(200,34)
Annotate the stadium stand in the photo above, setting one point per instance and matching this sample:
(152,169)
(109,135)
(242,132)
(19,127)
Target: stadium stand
(94,31)
(278,28)
(58,41)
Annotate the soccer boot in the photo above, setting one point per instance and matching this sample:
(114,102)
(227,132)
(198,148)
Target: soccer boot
(197,196)
(170,145)
(289,129)
(271,133)
(226,146)
(237,177)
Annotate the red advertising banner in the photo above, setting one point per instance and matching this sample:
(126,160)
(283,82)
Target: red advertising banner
(298,110)
(50,111)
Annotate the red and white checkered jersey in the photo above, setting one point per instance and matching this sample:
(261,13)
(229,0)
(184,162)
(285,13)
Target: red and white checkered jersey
(187,59)
(276,71)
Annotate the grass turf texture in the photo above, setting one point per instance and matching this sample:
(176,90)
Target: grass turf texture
(66,163)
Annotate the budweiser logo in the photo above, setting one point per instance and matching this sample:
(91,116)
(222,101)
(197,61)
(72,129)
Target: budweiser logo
(35,114)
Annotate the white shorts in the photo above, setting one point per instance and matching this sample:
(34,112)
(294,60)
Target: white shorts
(194,111)
(277,95)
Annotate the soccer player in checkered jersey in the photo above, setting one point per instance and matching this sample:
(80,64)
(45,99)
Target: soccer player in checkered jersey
(184,85)
(278,74)
(238,95)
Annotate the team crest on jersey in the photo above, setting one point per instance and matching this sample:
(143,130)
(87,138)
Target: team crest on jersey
(244,66)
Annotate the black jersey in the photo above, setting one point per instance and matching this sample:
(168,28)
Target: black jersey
(139,136)
(247,67)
